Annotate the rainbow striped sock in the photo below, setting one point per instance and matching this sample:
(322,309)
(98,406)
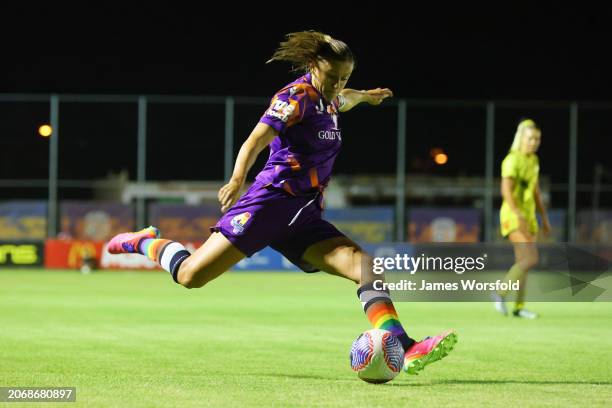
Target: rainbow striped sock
(379,309)
(168,254)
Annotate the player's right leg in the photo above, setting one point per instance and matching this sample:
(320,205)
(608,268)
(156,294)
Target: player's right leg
(213,258)
(526,257)
(526,252)
(342,257)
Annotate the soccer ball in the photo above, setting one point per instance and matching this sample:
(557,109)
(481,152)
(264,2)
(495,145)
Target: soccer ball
(377,356)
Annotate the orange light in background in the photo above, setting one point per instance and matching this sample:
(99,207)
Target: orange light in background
(45,130)
(435,151)
(440,158)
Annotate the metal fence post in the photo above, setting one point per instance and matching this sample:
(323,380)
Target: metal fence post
(489,187)
(141,166)
(229,138)
(573,153)
(53,163)
(400,188)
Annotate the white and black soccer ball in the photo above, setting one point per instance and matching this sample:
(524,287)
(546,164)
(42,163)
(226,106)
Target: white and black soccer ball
(377,356)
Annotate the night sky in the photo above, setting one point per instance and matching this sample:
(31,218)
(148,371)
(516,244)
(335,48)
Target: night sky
(547,54)
(513,53)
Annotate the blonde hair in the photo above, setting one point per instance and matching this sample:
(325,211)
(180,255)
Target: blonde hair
(520,129)
(302,49)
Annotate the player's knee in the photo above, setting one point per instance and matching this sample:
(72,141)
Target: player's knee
(359,265)
(188,281)
(365,270)
(531,261)
(191,283)
(187,276)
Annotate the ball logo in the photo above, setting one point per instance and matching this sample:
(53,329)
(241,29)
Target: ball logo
(238,222)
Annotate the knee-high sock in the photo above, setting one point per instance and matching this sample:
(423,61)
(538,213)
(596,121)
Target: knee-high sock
(168,254)
(520,293)
(515,273)
(380,311)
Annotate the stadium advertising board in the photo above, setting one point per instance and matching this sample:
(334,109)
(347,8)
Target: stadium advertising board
(21,253)
(95,221)
(365,225)
(265,260)
(70,254)
(184,223)
(25,220)
(594,227)
(443,225)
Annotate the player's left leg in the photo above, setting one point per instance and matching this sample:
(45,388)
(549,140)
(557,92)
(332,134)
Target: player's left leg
(342,257)
(526,256)
(528,259)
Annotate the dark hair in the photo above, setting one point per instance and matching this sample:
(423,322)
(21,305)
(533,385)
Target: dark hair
(302,49)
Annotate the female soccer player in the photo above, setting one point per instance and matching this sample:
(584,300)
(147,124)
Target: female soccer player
(521,196)
(282,208)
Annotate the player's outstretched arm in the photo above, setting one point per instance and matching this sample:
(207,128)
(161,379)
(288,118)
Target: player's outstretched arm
(354,97)
(260,137)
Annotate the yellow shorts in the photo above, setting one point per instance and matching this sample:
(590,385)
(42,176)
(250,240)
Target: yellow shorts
(509,223)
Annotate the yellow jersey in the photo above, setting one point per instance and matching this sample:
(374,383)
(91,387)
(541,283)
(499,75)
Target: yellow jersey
(524,170)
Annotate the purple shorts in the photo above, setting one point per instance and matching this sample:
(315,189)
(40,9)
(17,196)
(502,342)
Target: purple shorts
(268,216)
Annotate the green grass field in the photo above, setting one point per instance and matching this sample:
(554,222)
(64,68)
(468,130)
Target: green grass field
(281,339)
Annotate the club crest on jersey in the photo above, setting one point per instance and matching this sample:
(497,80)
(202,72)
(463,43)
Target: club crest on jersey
(281,110)
(238,222)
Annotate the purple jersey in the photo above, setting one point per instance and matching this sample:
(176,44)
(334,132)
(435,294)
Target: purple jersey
(302,155)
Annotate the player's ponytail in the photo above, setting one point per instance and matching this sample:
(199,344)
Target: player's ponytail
(523,124)
(302,49)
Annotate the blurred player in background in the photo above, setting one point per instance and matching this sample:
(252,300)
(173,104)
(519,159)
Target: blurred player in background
(282,208)
(521,197)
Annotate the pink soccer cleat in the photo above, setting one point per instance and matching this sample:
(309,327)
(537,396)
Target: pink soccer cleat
(127,243)
(428,350)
